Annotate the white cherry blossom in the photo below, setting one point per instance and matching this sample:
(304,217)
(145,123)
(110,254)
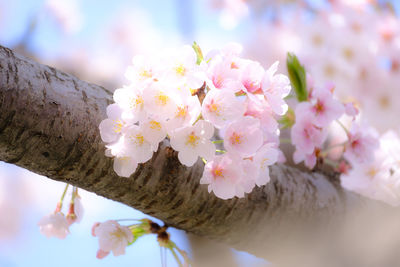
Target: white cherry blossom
(54,224)
(193,141)
(111,128)
(112,237)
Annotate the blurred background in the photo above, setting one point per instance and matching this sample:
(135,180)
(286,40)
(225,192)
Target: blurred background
(352,43)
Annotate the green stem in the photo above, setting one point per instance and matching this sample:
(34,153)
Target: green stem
(285,140)
(331,162)
(204,160)
(344,127)
(63,195)
(220,151)
(176,257)
(218,141)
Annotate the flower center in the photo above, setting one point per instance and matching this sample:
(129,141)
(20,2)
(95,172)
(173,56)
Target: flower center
(217,172)
(192,140)
(155,125)
(180,70)
(319,107)
(117,126)
(139,139)
(135,102)
(213,107)
(145,74)
(182,111)
(372,172)
(162,99)
(235,139)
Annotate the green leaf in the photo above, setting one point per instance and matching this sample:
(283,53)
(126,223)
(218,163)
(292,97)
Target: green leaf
(199,54)
(288,119)
(297,76)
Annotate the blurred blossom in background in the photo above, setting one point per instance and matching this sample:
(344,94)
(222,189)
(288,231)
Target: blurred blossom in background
(353,43)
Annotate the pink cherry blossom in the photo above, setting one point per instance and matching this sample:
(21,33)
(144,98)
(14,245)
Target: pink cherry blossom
(54,224)
(266,156)
(112,237)
(306,136)
(262,111)
(251,76)
(193,141)
(324,107)
(362,141)
(243,136)
(223,175)
(276,87)
(220,107)
(351,109)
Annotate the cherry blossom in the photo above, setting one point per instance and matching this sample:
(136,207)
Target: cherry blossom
(193,141)
(112,237)
(266,156)
(306,136)
(224,176)
(220,107)
(54,224)
(243,136)
(276,87)
(324,107)
(112,128)
(363,140)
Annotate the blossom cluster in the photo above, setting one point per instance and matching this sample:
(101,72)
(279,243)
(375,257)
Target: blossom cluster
(369,163)
(241,101)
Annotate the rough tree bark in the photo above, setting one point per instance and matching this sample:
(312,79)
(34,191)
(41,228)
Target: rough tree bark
(49,125)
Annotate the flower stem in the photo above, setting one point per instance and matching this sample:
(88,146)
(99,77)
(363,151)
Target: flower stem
(63,194)
(285,140)
(218,141)
(204,160)
(220,151)
(176,257)
(343,127)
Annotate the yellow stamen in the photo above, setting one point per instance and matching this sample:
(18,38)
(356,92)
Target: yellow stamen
(182,111)
(117,126)
(155,125)
(137,139)
(372,172)
(145,74)
(217,172)
(192,140)
(235,139)
(135,102)
(162,99)
(180,70)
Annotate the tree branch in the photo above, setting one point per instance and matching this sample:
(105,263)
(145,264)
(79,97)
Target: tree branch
(49,125)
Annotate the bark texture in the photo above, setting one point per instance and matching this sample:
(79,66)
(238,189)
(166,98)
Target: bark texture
(49,125)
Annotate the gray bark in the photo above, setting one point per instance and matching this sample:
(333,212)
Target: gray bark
(49,125)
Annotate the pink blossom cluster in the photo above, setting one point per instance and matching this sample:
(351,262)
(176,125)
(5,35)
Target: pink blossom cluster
(356,46)
(369,163)
(376,174)
(241,101)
